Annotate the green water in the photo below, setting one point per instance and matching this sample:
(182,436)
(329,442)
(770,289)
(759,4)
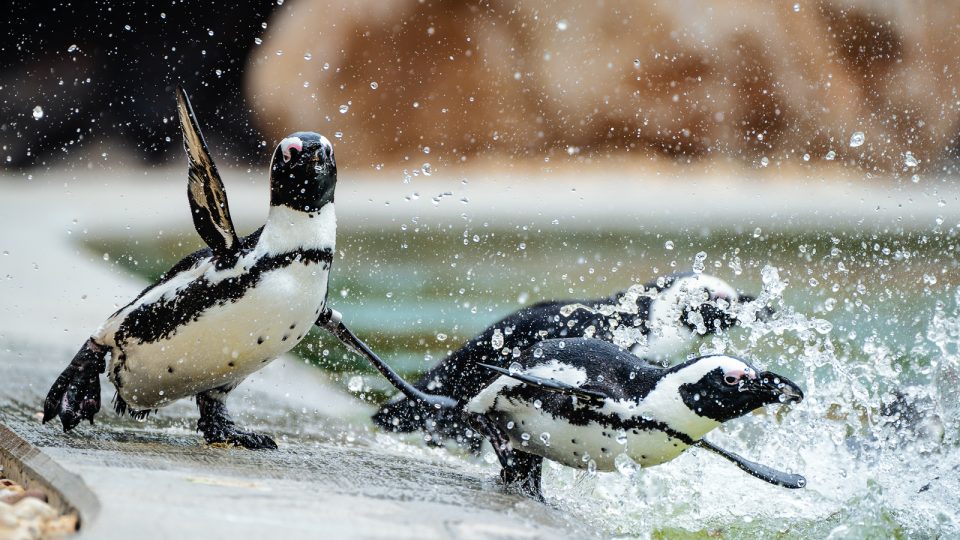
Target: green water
(416,294)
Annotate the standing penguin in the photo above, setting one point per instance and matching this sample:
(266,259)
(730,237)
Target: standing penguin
(222,312)
(665,315)
(583,402)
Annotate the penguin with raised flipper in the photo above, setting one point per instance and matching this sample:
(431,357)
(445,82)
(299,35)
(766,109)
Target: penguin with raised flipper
(665,314)
(225,311)
(583,402)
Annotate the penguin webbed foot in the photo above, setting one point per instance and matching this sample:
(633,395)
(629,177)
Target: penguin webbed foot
(75,395)
(235,436)
(217,427)
(520,471)
(523,474)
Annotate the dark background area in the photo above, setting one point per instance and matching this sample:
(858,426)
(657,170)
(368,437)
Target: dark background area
(105,70)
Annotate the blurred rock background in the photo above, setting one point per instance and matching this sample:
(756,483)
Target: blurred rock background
(748,82)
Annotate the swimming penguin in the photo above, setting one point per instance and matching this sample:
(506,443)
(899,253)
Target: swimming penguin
(226,311)
(582,402)
(665,314)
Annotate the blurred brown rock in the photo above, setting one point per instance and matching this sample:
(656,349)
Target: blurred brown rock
(689,79)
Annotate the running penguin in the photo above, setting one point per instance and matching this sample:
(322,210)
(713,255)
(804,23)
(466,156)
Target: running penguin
(225,311)
(583,402)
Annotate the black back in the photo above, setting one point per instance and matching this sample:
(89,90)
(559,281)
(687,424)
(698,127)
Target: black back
(458,376)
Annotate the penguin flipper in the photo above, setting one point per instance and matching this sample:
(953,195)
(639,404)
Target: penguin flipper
(208,198)
(551,385)
(75,395)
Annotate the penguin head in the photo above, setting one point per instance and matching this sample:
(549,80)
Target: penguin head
(722,388)
(708,303)
(303,173)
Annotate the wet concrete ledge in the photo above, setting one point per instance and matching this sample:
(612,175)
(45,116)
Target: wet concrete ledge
(27,465)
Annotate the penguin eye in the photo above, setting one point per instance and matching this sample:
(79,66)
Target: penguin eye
(731,379)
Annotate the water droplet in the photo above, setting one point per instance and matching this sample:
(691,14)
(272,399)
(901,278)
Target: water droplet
(668,244)
(37,112)
(622,437)
(806,157)
(355,384)
(636,63)
(210,33)
(537,404)
(538,353)
(307,56)
(831,155)
(72,48)
(764,161)
(909,160)
(915,178)
(562,25)
(427,171)
(126,27)
(374,85)
(344,109)
(338,134)
(545,438)
(626,466)
(796,8)
(258,41)
(857,139)
(497,340)
(441,337)
(698,262)
(426,149)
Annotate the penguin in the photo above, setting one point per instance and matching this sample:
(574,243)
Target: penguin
(227,310)
(583,402)
(663,316)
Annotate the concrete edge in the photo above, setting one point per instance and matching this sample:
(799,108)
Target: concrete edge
(30,467)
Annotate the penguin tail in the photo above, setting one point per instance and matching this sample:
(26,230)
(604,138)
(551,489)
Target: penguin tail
(75,395)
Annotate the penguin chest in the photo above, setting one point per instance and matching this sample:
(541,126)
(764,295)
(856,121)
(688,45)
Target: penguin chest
(577,443)
(225,342)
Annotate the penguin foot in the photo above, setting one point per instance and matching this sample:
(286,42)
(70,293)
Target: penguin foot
(235,436)
(75,395)
(520,471)
(217,427)
(523,474)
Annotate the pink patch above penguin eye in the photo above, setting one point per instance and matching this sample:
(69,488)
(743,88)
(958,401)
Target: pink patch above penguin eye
(287,144)
(733,376)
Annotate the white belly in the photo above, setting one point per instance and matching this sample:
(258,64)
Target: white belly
(556,439)
(226,343)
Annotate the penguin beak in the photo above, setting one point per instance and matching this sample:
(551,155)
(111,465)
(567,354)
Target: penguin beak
(776,388)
